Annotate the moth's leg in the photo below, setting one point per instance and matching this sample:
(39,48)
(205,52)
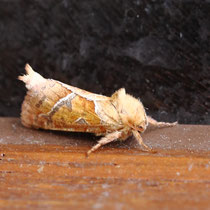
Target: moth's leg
(152,123)
(139,139)
(63,101)
(105,140)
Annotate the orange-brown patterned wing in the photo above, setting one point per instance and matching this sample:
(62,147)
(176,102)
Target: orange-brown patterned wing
(50,104)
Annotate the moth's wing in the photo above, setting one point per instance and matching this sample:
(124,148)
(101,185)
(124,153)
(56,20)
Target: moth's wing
(50,104)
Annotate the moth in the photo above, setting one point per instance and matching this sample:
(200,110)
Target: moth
(50,104)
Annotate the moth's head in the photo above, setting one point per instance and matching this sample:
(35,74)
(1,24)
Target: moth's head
(130,109)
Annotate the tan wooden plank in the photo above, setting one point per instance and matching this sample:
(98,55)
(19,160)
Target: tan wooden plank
(44,169)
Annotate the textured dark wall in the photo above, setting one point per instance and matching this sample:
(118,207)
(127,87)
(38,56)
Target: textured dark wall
(158,50)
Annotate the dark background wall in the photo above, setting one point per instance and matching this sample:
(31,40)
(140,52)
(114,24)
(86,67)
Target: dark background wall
(158,50)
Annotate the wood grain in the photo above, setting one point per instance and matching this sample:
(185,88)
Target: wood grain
(44,169)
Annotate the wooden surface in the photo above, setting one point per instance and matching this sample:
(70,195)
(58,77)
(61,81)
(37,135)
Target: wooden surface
(45,169)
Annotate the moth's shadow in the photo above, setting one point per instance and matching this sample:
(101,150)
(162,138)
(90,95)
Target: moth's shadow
(85,139)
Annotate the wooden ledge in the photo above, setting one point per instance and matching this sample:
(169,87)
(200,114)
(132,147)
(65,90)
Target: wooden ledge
(45,169)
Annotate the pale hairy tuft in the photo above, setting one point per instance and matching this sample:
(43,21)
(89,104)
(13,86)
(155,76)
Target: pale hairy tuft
(130,109)
(32,79)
